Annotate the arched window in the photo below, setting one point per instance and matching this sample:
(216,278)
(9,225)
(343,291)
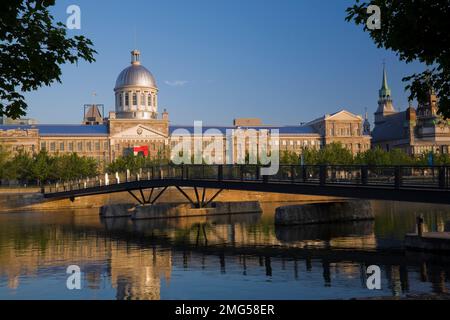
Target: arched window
(134,99)
(127,99)
(149,101)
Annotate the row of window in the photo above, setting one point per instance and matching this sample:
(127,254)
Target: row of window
(425,149)
(293,143)
(152,147)
(146,99)
(80,146)
(344,132)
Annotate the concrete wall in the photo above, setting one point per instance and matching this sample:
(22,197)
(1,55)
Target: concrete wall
(337,211)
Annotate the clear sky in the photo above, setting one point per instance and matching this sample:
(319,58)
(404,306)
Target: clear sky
(285,61)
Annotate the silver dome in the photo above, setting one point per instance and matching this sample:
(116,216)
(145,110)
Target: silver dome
(135,75)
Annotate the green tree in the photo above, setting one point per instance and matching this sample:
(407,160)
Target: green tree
(42,167)
(416,31)
(334,154)
(19,167)
(373,157)
(4,155)
(32,48)
(289,157)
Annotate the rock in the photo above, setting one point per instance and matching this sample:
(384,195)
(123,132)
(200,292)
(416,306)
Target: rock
(324,212)
(173,210)
(116,210)
(236,207)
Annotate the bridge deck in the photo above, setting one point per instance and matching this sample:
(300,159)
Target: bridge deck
(413,184)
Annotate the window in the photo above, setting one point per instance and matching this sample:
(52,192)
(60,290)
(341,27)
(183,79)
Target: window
(134,99)
(127,99)
(97,146)
(61,146)
(142,99)
(71,146)
(149,100)
(80,146)
(52,146)
(43,146)
(120,100)
(105,146)
(154,100)
(89,146)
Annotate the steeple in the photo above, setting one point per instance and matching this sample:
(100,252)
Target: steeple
(366,124)
(385,91)
(385,105)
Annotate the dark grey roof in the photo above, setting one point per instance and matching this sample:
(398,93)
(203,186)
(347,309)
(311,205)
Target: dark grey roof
(391,129)
(102,130)
(62,129)
(295,130)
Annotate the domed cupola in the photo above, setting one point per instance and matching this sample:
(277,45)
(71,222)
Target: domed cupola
(136,91)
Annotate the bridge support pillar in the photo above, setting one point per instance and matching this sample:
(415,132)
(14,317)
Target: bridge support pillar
(200,202)
(143,200)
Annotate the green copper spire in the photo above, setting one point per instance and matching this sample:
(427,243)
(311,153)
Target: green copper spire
(385,92)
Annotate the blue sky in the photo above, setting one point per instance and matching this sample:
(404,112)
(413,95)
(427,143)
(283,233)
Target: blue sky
(285,61)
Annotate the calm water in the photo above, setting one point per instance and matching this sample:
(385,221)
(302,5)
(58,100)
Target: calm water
(227,257)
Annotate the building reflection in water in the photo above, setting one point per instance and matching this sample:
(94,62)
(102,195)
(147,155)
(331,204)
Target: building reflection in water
(136,258)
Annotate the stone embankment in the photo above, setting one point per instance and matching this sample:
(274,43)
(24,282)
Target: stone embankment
(176,210)
(324,212)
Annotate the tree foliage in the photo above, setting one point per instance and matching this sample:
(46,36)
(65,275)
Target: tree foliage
(332,154)
(32,48)
(135,163)
(416,31)
(337,154)
(43,168)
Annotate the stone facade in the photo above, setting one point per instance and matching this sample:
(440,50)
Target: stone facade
(416,130)
(136,126)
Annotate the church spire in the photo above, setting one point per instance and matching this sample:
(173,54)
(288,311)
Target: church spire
(385,91)
(366,124)
(385,105)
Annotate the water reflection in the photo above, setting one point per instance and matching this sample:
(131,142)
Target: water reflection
(239,256)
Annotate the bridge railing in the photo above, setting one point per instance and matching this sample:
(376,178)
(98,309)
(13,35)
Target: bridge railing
(388,176)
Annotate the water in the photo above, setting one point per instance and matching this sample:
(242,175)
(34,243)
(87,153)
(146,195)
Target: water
(225,257)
